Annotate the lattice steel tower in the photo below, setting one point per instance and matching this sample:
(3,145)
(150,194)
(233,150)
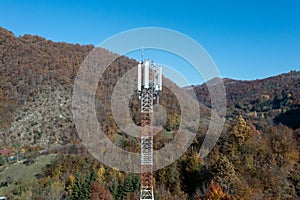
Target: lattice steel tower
(149,87)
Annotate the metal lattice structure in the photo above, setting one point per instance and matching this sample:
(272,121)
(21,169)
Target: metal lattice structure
(149,88)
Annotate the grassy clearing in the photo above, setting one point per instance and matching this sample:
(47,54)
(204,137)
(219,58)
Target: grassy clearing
(26,173)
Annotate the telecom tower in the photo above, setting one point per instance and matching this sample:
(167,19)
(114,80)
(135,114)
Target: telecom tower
(149,87)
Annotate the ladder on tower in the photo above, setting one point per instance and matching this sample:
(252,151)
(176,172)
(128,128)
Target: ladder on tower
(148,89)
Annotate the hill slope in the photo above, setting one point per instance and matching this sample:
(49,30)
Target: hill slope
(253,159)
(265,98)
(36,83)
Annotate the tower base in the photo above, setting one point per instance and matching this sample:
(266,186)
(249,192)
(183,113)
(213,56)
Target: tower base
(147,194)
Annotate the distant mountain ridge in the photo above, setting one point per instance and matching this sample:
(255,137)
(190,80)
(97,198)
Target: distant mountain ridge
(262,97)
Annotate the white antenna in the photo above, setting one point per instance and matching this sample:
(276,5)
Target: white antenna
(142,54)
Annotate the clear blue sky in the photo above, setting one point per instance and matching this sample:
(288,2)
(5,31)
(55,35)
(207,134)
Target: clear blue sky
(246,39)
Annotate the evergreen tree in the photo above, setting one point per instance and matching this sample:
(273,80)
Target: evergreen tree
(82,187)
(117,190)
(132,183)
(1,160)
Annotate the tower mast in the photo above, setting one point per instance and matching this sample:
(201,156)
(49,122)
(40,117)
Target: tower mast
(149,88)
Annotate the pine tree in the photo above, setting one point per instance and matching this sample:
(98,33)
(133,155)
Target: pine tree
(132,183)
(82,187)
(1,160)
(117,190)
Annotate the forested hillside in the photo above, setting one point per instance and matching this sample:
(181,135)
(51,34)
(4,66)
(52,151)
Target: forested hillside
(277,98)
(257,156)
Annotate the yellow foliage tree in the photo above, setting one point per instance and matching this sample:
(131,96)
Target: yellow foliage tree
(71,179)
(101,173)
(241,130)
(22,151)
